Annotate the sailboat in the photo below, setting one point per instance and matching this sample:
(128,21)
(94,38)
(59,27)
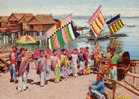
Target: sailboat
(96,24)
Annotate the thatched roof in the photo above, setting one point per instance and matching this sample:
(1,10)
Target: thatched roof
(19,16)
(4,18)
(26,18)
(43,19)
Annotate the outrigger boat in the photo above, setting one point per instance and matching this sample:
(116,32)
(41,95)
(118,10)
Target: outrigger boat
(106,37)
(96,25)
(101,37)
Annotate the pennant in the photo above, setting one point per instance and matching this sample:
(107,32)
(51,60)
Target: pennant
(60,38)
(68,32)
(66,20)
(49,43)
(71,31)
(96,22)
(115,24)
(52,41)
(76,34)
(65,30)
(55,42)
(65,36)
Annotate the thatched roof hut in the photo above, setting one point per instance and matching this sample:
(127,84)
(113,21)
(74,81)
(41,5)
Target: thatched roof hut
(25,20)
(41,23)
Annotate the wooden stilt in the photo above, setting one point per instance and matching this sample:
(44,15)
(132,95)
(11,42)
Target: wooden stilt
(114,91)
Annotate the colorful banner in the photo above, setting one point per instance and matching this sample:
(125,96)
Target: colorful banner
(115,24)
(52,43)
(55,42)
(49,44)
(96,22)
(71,31)
(65,36)
(60,38)
(66,20)
(68,32)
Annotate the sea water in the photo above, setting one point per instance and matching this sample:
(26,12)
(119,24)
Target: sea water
(129,43)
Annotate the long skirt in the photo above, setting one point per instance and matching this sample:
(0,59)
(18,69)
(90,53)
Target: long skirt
(57,74)
(65,72)
(42,78)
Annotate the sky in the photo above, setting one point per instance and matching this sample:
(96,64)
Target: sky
(76,7)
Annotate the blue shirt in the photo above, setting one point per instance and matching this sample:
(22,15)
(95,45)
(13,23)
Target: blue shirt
(98,86)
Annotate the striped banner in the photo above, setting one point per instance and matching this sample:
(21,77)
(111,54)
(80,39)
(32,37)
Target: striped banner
(66,20)
(71,31)
(68,32)
(115,24)
(96,22)
(76,34)
(49,43)
(55,42)
(60,38)
(52,43)
(65,36)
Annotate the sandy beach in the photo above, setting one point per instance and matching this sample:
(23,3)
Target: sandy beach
(72,88)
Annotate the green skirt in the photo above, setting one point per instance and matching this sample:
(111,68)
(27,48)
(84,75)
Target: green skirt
(57,74)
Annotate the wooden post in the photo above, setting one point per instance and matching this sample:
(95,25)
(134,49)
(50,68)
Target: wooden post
(4,41)
(114,90)
(6,37)
(12,37)
(40,38)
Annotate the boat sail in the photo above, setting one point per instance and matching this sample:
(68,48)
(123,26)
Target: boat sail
(96,24)
(115,24)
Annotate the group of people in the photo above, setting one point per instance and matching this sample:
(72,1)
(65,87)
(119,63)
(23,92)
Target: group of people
(113,65)
(57,64)
(63,63)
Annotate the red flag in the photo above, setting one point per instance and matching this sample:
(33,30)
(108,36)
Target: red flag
(66,20)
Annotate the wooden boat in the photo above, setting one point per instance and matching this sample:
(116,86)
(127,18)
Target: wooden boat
(105,37)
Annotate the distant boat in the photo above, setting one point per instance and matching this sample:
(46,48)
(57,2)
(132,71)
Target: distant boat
(131,25)
(81,28)
(105,37)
